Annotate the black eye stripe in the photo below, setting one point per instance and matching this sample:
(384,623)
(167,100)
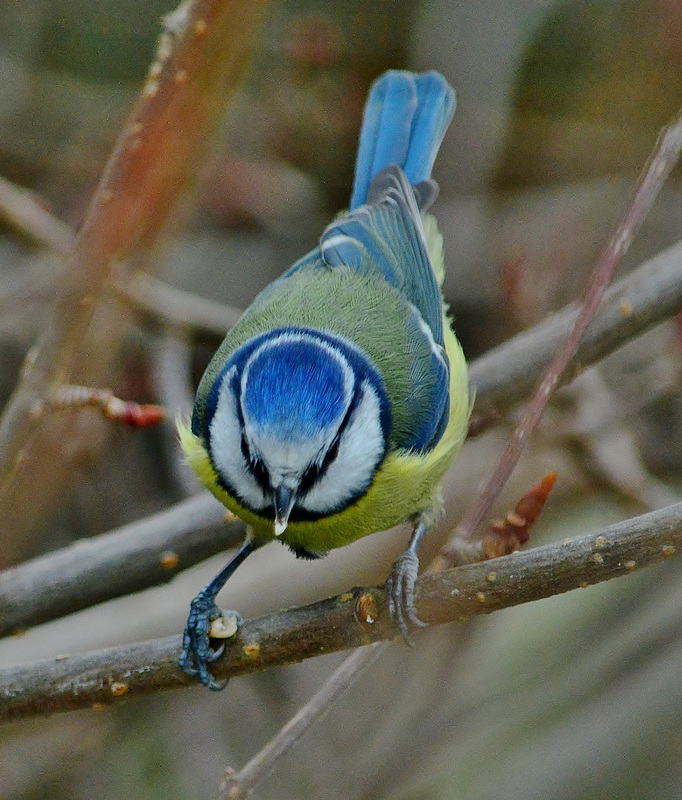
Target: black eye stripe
(246,452)
(317,471)
(255,466)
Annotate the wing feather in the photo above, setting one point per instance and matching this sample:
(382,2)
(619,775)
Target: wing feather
(387,236)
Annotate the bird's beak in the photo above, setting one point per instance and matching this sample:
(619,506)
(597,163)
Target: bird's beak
(284,498)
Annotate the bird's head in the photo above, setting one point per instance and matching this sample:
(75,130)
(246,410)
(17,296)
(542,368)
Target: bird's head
(297,424)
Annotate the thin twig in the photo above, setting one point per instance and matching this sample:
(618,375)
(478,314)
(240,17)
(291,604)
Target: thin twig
(236,786)
(164,304)
(650,182)
(20,207)
(68,397)
(598,429)
(71,682)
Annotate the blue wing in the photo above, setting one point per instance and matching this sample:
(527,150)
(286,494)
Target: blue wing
(428,404)
(404,123)
(387,236)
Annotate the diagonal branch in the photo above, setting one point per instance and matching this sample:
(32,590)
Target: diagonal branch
(162,303)
(130,559)
(237,785)
(660,164)
(650,294)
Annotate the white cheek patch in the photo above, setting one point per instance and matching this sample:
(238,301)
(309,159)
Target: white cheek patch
(226,449)
(361,448)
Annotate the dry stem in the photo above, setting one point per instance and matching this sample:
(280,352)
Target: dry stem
(199,61)
(649,184)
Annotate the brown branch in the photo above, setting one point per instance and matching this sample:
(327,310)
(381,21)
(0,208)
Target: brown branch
(71,682)
(73,398)
(199,61)
(115,564)
(649,184)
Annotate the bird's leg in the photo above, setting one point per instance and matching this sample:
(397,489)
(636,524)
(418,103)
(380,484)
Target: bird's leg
(403,576)
(197,652)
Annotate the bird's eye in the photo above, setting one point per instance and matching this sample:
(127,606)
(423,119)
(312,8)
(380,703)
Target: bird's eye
(256,466)
(331,453)
(315,470)
(308,478)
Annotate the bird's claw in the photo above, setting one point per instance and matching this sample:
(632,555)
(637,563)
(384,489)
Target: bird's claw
(400,594)
(197,652)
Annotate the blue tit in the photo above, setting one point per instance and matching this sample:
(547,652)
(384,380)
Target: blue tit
(336,404)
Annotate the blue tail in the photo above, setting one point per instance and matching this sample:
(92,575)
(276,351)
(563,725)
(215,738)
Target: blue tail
(405,120)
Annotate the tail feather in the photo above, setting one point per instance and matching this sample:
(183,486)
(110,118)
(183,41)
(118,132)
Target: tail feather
(405,120)
(398,106)
(435,108)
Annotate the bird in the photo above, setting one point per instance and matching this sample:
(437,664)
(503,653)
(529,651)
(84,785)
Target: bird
(336,404)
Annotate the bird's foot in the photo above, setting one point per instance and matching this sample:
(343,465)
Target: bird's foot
(206,621)
(400,594)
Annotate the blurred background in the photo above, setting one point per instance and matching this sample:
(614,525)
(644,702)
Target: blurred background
(559,105)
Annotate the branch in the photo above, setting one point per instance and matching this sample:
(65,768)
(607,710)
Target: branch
(352,619)
(199,60)
(68,397)
(162,303)
(649,295)
(20,207)
(114,564)
(237,785)
(652,293)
